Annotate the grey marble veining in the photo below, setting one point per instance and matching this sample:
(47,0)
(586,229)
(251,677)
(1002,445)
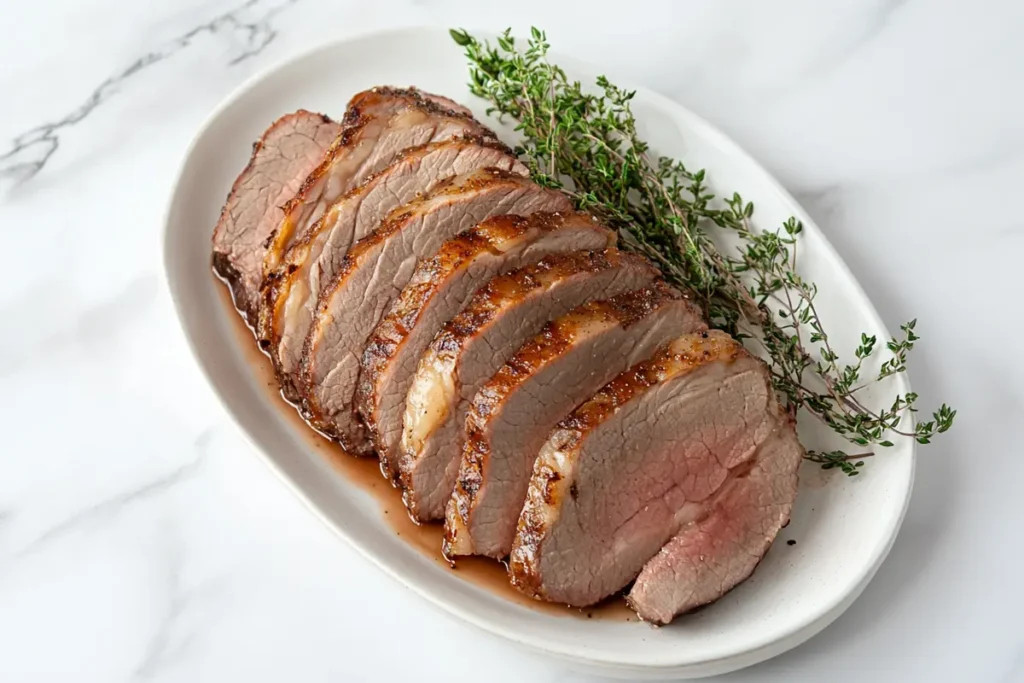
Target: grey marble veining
(251,23)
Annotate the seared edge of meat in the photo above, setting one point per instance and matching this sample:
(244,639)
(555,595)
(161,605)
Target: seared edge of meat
(444,102)
(305,254)
(495,237)
(551,345)
(362,109)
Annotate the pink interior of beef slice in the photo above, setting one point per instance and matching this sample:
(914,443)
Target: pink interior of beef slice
(513,414)
(476,343)
(290,292)
(441,287)
(379,124)
(376,271)
(711,556)
(281,159)
(632,466)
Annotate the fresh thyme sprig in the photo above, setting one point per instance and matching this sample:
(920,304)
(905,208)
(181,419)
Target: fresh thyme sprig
(587,145)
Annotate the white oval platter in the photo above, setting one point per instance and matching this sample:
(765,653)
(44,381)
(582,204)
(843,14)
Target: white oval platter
(843,527)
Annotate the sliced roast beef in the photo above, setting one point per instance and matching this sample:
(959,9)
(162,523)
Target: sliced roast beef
(639,461)
(281,159)
(711,556)
(472,346)
(377,269)
(378,125)
(513,414)
(439,289)
(290,292)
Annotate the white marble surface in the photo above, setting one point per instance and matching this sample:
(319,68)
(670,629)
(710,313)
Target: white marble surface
(141,540)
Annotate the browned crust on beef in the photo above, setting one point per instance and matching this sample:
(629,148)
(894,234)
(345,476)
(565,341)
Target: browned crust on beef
(279,281)
(554,340)
(392,331)
(356,118)
(444,102)
(221,263)
(498,294)
(681,357)
(392,224)
(493,299)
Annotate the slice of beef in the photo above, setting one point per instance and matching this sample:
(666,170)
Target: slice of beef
(709,557)
(290,292)
(636,463)
(377,269)
(439,289)
(378,125)
(281,159)
(476,343)
(513,414)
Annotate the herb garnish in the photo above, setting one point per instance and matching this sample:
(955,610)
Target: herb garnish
(587,145)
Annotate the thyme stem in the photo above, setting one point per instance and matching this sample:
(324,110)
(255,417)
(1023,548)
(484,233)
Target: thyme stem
(587,145)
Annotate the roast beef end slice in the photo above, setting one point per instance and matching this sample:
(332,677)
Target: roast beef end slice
(281,159)
(440,288)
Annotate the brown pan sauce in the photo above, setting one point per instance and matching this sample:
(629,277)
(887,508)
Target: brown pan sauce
(365,473)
